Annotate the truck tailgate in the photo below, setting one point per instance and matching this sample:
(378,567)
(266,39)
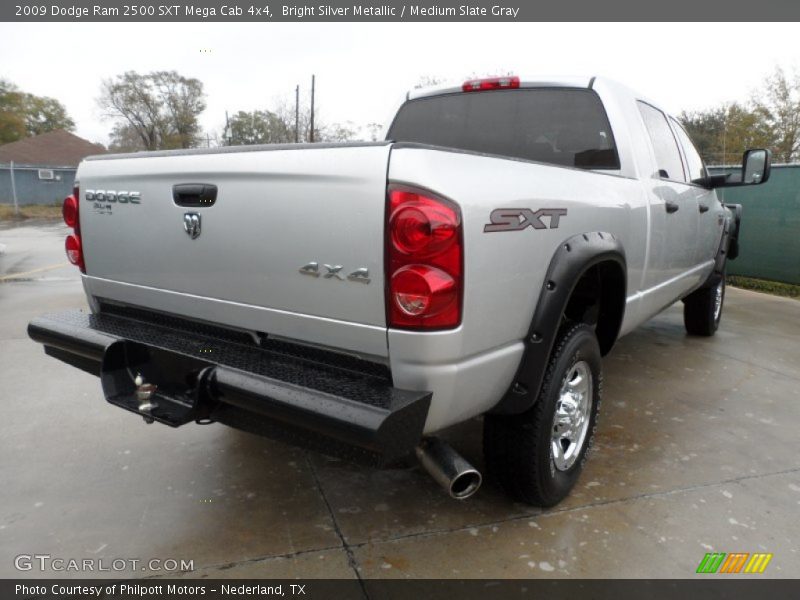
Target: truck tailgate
(276,211)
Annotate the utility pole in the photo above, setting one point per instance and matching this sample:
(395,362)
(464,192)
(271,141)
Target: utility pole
(227,129)
(297,114)
(311,133)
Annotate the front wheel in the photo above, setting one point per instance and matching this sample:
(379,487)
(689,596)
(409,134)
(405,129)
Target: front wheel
(702,309)
(538,455)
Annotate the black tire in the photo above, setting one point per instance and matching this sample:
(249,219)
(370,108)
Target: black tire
(519,449)
(701,314)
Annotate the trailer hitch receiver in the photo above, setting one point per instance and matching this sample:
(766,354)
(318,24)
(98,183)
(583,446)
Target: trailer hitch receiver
(157,384)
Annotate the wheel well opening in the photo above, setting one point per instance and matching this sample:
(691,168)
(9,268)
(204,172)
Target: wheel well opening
(598,299)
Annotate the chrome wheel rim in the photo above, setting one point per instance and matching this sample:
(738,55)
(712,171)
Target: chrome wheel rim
(718,300)
(572,416)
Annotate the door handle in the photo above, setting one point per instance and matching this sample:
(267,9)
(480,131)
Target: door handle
(703,207)
(194,194)
(671,206)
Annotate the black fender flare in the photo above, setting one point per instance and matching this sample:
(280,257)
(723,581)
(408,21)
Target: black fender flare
(571,260)
(733,230)
(728,248)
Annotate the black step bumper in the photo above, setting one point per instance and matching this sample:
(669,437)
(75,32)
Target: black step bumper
(309,397)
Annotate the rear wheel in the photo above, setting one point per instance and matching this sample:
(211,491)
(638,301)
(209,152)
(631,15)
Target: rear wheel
(702,309)
(538,455)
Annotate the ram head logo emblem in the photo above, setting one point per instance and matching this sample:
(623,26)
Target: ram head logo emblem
(191,224)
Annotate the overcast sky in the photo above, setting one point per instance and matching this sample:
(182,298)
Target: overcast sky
(363,69)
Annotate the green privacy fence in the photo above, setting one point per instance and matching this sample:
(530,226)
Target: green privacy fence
(769,239)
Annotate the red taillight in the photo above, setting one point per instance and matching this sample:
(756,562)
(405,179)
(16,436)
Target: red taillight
(492,83)
(421,226)
(421,290)
(70,210)
(74,251)
(423,260)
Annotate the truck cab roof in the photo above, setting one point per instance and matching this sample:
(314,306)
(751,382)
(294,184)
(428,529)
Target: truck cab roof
(532,82)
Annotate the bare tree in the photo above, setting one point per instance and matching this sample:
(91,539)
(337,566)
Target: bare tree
(277,125)
(125,138)
(374,130)
(339,132)
(161,107)
(779,103)
(428,81)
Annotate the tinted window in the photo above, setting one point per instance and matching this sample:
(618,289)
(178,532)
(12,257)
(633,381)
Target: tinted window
(693,161)
(558,126)
(668,157)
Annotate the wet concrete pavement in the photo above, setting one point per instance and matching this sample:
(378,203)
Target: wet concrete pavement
(697,451)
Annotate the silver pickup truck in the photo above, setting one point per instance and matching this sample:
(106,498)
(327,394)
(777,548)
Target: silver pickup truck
(358,298)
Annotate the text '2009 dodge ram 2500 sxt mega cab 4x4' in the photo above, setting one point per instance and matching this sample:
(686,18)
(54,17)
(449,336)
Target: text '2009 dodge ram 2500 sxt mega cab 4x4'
(357,298)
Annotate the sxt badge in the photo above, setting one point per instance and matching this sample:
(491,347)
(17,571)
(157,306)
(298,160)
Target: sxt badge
(517,219)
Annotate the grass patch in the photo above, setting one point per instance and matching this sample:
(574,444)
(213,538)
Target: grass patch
(30,211)
(776,288)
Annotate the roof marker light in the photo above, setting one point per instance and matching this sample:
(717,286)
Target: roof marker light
(491,83)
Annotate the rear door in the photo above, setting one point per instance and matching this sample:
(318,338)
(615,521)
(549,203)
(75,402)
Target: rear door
(673,214)
(709,226)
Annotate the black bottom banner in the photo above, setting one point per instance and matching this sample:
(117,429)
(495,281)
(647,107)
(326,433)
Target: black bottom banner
(396,589)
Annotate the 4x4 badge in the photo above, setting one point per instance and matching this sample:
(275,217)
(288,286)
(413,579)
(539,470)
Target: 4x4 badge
(361,275)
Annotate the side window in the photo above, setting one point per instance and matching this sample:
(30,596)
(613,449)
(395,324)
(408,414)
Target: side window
(694,163)
(665,146)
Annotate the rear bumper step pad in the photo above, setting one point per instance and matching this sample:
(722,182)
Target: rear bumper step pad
(198,376)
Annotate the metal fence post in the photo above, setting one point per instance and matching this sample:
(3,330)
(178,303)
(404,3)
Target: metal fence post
(14,189)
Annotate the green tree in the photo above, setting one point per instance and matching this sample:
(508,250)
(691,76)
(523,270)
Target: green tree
(723,133)
(706,128)
(23,114)
(258,127)
(277,126)
(12,119)
(161,107)
(183,101)
(745,128)
(45,114)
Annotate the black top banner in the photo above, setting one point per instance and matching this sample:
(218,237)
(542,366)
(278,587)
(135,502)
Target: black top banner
(398,10)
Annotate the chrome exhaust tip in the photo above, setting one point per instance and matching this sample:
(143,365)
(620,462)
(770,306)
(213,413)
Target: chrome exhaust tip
(448,468)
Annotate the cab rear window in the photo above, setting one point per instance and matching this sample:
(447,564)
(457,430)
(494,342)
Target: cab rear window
(566,127)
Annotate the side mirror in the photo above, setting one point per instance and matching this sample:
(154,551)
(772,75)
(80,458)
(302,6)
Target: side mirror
(756,167)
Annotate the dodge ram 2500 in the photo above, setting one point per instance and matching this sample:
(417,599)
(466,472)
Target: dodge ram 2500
(357,298)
